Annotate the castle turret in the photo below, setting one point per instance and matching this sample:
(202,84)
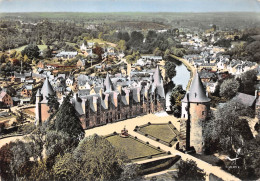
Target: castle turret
(38,107)
(199,105)
(42,108)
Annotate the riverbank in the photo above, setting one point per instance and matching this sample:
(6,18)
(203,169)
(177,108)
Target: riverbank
(188,66)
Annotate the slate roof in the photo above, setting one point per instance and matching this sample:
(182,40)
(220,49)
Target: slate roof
(108,84)
(197,91)
(2,94)
(77,103)
(186,97)
(246,99)
(46,89)
(157,76)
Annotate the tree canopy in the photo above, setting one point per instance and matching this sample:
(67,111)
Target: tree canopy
(32,51)
(94,159)
(229,88)
(67,121)
(188,170)
(177,95)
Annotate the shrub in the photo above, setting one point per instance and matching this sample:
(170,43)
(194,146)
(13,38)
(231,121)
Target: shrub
(157,139)
(175,139)
(146,135)
(149,157)
(170,122)
(137,127)
(135,130)
(147,143)
(135,137)
(158,148)
(115,133)
(170,145)
(169,153)
(149,123)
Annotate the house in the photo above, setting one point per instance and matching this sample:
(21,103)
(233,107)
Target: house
(40,64)
(69,81)
(26,91)
(83,47)
(81,63)
(5,99)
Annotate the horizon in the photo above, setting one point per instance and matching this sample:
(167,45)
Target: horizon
(113,6)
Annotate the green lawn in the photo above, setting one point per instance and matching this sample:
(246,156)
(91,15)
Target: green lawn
(133,148)
(161,131)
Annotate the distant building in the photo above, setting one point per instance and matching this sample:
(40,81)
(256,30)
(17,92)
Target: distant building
(67,55)
(5,99)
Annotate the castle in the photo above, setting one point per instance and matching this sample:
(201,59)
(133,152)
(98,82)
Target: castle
(109,102)
(195,110)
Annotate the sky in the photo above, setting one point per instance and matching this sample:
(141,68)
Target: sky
(129,5)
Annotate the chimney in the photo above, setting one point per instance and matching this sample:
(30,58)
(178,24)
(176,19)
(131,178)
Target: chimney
(115,98)
(138,90)
(127,91)
(84,105)
(106,100)
(95,102)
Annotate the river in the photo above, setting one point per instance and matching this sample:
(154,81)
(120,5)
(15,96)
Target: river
(182,78)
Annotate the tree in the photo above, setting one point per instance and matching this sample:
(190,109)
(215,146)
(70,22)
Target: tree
(188,170)
(58,143)
(177,95)
(170,71)
(47,53)
(157,52)
(121,46)
(94,159)
(41,171)
(6,156)
(53,105)
(20,164)
(32,51)
(229,88)
(248,81)
(226,130)
(67,121)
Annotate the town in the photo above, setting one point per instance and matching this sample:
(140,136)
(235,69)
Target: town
(66,104)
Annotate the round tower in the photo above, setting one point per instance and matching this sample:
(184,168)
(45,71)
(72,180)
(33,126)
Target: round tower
(38,107)
(199,105)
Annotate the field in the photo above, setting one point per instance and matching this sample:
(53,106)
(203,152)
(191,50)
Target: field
(134,148)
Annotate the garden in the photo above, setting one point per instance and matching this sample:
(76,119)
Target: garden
(134,148)
(166,133)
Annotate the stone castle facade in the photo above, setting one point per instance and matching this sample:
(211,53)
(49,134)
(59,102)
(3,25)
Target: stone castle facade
(110,103)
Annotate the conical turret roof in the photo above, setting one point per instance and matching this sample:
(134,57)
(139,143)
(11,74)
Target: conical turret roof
(157,78)
(47,89)
(108,84)
(186,97)
(197,92)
